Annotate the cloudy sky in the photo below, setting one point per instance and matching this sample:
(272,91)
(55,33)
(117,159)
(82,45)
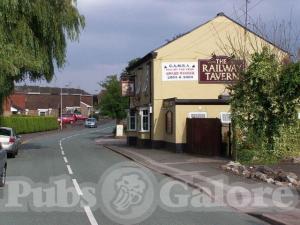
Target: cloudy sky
(120,30)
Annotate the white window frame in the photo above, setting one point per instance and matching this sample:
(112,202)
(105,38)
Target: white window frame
(197,113)
(129,121)
(225,121)
(46,111)
(142,117)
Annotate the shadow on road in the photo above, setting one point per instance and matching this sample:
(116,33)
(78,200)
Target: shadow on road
(31,146)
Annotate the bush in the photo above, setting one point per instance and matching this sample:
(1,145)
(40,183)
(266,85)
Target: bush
(251,147)
(29,124)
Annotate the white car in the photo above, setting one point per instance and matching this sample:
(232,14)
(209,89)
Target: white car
(10,141)
(3,166)
(90,122)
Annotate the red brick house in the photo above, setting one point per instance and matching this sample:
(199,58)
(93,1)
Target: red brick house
(46,101)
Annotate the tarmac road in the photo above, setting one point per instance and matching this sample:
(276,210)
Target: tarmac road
(34,194)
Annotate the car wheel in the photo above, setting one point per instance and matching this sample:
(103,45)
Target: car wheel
(3,177)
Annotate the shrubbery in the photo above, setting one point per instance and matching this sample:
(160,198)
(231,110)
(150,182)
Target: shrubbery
(29,124)
(252,147)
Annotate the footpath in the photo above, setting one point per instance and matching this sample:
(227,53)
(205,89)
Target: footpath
(204,173)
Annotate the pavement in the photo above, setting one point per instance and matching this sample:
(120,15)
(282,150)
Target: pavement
(205,174)
(51,168)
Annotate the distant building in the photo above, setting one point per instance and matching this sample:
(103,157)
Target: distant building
(46,101)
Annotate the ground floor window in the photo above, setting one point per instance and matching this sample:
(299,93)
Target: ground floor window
(132,120)
(145,118)
(197,115)
(225,117)
(43,112)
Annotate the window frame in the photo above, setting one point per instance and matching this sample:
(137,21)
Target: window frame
(142,119)
(129,120)
(221,117)
(45,112)
(200,112)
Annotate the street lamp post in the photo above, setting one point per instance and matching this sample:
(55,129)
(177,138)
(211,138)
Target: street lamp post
(61,105)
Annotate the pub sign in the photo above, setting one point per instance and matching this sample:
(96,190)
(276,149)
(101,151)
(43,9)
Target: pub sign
(127,88)
(219,69)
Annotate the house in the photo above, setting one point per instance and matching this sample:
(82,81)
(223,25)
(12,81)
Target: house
(46,101)
(187,78)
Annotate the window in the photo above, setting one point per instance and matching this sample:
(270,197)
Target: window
(42,112)
(225,117)
(132,120)
(169,122)
(146,80)
(138,84)
(145,120)
(197,115)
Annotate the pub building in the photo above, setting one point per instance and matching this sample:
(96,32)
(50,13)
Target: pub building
(184,81)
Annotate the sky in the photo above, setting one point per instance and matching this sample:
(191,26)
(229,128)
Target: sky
(120,30)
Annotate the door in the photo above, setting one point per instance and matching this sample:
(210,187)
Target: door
(204,136)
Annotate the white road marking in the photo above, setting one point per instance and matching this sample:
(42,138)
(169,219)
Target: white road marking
(65,159)
(90,215)
(87,209)
(69,169)
(77,188)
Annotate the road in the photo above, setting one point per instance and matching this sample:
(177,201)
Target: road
(30,198)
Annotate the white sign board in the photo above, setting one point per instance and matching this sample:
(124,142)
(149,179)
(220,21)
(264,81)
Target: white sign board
(179,71)
(119,131)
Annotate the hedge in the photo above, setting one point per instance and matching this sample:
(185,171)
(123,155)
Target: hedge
(29,124)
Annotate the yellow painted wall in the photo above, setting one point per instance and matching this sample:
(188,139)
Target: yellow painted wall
(210,38)
(213,111)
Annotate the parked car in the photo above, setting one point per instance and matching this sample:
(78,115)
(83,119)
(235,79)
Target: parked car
(3,166)
(79,116)
(10,141)
(67,119)
(90,122)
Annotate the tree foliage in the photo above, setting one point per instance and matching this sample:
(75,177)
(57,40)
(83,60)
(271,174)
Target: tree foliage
(33,39)
(265,99)
(112,103)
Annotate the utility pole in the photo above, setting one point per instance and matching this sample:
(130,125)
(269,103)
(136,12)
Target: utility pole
(233,124)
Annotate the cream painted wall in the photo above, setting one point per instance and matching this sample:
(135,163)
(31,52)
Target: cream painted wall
(211,38)
(213,111)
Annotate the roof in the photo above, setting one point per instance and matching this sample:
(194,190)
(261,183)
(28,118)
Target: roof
(48,90)
(153,53)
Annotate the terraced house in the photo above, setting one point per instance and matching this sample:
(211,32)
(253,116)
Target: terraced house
(46,101)
(187,78)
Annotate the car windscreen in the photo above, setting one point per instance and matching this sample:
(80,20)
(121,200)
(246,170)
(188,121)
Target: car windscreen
(91,120)
(4,132)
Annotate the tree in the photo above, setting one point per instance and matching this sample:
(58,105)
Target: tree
(33,39)
(112,103)
(265,98)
